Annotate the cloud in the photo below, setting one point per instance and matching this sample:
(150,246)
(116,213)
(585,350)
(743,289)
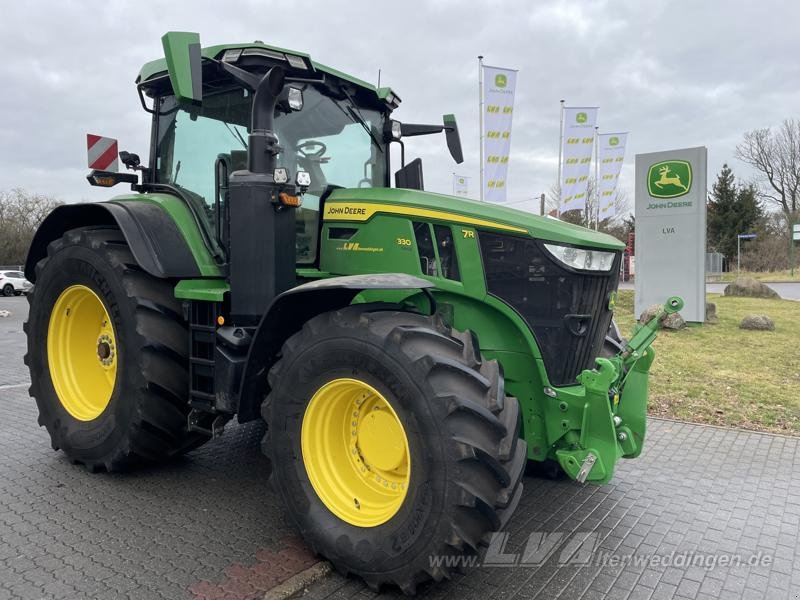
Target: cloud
(674,73)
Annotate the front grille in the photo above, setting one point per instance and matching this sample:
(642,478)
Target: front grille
(567,310)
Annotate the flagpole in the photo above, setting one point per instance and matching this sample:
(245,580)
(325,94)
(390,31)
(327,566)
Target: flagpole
(596,179)
(480,117)
(560,149)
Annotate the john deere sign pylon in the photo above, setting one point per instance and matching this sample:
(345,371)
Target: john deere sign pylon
(671,229)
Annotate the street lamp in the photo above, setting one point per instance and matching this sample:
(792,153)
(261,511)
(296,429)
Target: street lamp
(739,238)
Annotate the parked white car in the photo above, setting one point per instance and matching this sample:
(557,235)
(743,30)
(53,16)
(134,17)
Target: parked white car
(13,283)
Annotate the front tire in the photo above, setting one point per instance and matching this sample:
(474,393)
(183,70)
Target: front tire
(444,444)
(613,343)
(107,354)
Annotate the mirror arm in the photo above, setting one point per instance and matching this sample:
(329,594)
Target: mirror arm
(246,78)
(413,129)
(450,128)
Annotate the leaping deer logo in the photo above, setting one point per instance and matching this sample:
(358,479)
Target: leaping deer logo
(666,180)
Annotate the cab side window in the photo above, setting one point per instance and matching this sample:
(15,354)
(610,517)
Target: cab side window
(448,259)
(427,255)
(437,250)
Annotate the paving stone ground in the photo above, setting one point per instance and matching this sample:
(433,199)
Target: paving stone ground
(697,491)
(206,526)
(209,526)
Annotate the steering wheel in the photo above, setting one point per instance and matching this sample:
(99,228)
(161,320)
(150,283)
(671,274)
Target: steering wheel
(313,149)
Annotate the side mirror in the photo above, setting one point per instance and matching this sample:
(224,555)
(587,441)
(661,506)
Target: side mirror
(184,63)
(410,176)
(453,138)
(131,161)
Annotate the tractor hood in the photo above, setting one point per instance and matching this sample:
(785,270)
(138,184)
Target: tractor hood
(360,204)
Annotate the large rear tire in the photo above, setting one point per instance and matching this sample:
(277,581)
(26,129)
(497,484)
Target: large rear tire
(107,354)
(392,443)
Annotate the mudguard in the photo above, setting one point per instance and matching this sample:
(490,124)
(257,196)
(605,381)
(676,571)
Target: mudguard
(286,316)
(155,240)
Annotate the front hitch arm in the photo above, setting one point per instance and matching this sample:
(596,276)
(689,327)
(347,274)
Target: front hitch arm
(645,334)
(614,406)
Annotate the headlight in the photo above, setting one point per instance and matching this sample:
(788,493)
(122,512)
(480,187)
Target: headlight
(295,97)
(580,258)
(280,175)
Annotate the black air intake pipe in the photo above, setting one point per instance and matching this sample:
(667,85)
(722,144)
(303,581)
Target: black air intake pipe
(262,231)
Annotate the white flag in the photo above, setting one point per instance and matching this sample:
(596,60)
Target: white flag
(498,108)
(576,156)
(460,186)
(610,155)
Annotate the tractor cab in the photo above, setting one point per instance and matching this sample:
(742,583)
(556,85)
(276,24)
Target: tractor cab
(333,127)
(326,126)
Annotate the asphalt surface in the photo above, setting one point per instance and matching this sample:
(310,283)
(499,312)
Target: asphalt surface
(209,526)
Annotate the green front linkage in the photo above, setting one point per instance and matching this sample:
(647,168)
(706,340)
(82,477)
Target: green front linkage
(614,407)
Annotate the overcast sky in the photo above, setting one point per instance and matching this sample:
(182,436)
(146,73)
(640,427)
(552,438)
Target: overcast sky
(673,73)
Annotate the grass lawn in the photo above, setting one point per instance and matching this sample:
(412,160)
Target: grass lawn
(776,276)
(720,374)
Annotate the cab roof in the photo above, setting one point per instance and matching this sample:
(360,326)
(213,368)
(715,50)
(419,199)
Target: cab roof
(158,67)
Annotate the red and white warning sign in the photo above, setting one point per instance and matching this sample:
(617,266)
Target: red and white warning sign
(103,153)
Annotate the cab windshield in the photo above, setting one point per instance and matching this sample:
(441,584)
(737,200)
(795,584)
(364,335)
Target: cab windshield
(325,138)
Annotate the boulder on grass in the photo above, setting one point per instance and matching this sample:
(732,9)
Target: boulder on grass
(674,321)
(648,313)
(757,323)
(711,312)
(751,288)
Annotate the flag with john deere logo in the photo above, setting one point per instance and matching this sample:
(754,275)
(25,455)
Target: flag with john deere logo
(498,105)
(460,186)
(576,156)
(610,155)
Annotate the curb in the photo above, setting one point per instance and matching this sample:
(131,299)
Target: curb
(298,582)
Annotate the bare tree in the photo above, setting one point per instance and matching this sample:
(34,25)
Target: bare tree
(586,218)
(768,251)
(20,214)
(776,157)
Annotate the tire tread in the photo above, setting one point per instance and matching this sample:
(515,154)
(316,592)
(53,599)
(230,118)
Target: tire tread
(158,428)
(479,422)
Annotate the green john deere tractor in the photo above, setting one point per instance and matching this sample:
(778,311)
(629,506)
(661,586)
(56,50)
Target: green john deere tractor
(410,352)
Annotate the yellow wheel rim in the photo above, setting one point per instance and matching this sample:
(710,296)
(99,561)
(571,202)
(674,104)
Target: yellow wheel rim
(82,352)
(355,452)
